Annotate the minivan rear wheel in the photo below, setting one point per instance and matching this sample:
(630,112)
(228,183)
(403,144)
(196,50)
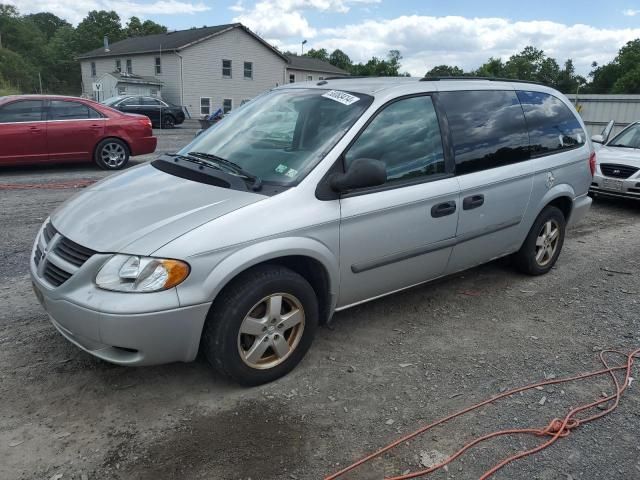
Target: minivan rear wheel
(261,325)
(542,247)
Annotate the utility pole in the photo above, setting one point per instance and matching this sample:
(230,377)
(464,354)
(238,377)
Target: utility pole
(303,42)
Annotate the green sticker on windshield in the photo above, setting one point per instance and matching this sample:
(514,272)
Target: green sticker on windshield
(281,168)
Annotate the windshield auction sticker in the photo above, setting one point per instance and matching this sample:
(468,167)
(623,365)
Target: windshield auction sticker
(342,97)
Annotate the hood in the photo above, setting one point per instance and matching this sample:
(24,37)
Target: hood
(142,209)
(619,155)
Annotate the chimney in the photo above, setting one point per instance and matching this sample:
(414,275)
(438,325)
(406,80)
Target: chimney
(106,44)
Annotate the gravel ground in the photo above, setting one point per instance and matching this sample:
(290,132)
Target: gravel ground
(381,370)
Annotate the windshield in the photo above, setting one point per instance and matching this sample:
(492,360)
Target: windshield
(629,138)
(281,135)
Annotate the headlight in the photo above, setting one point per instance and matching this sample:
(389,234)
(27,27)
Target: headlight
(127,273)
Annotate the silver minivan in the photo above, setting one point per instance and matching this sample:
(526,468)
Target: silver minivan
(310,199)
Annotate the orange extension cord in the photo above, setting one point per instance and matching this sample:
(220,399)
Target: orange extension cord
(557,428)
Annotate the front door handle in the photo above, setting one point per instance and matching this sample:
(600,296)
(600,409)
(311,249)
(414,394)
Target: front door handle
(443,209)
(474,201)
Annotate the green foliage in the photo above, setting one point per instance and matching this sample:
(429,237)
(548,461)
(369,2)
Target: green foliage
(340,59)
(622,75)
(377,67)
(445,71)
(321,54)
(136,28)
(42,43)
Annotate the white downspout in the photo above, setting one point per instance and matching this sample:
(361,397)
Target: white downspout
(181,80)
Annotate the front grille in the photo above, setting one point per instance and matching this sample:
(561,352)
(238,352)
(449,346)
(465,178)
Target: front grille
(55,275)
(617,171)
(72,252)
(65,256)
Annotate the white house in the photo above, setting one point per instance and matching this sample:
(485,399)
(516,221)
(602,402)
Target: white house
(202,69)
(121,83)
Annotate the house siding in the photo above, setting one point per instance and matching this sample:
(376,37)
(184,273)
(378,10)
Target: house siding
(301,75)
(203,70)
(143,65)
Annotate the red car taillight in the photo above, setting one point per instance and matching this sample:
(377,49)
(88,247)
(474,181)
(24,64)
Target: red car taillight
(146,122)
(592,163)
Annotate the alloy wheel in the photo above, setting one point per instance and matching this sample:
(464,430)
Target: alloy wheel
(113,155)
(547,242)
(271,331)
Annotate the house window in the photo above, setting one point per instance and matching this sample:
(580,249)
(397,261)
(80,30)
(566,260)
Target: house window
(320,78)
(93,69)
(122,90)
(309,78)
(226,68)
(205,106)
(227,105)
(118,66)
(248,70)
(129,66)
(154,92)
(158,65)
(292,78)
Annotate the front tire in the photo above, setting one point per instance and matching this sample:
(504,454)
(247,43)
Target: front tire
(112,154)
(261,325)
(543,244)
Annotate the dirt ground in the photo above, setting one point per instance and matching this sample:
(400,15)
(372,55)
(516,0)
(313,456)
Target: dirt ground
(381,370)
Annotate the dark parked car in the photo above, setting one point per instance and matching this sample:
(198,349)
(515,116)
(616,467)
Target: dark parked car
(51,129)
(152,107)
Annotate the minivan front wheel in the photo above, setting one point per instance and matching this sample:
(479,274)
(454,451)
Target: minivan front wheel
(544,242)
(261,325)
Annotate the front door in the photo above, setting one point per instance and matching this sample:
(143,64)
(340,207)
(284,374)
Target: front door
(23,132)
(152,108)
(402,233)
(73,130)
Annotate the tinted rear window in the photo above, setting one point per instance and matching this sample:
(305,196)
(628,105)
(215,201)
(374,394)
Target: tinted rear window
(65,110)
(487,128)
(552,126)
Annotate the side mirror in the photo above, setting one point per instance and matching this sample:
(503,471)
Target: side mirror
(362,173)
(597,139)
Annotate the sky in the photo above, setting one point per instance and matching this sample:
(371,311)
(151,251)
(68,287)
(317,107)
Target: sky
(464,33)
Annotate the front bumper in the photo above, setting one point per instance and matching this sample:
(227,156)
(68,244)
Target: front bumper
(625,188)
(122,328)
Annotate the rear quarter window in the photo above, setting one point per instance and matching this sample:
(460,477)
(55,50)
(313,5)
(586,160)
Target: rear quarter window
(552,126)
(487,128)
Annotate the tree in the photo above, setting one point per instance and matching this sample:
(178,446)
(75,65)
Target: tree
(444,71)
(136,28)
(47,23)
(340,59)
(377,67)
(96,25)
(494,67)
(321,54)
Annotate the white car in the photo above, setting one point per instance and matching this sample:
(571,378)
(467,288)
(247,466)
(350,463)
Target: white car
(618,163)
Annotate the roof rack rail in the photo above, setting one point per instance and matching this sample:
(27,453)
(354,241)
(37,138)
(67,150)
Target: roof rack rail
(347,77)
(491,79)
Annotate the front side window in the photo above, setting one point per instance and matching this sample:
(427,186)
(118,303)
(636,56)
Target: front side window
(226,68)
(628,138)
(552,126)
(158,65)
(148,101)
(21,112)
(281,135)
(118,66)
(405,136)
(205,106)
(131,101)
(227,105)
(309,77)
(63,110)
(487,128)
(292,78)
(129,66)
(93,69)
(248,70)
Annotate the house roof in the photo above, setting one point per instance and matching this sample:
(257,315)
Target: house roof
(311,64)
(131,78)
(170,41)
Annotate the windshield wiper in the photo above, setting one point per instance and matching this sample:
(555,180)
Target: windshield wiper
(234,167)
(619,145)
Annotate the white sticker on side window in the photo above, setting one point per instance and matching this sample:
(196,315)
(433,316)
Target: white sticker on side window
(342,97)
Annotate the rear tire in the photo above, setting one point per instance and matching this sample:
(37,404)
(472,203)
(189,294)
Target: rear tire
(112,154)
(168,121)
(261,325)
(543,244)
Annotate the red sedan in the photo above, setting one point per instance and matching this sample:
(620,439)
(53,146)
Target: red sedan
(36,129)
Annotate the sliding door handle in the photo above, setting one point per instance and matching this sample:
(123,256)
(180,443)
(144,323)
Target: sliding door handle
(443,209)
(474,201)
